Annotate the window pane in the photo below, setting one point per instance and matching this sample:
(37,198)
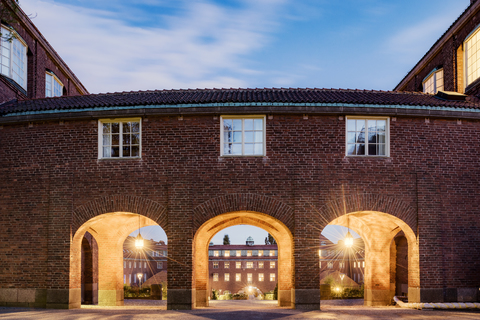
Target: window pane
(126,151)
(351,125)
(115,128)
(227,124)
(248,148)
(115,140)
(106,139)
(351,137)
(115,152)
(249,136)
(372,149)
(258,136)
(248,124)
(126,127)
(135,151)
(351,150)
(372,137)
(237,136)
(227,148)
(106,152)
(126,138)
(227,136)
(360,137)
(237,124)
(381,137)
(381,125)
(360,149)
(136,138)
(381,150)
(106,128)
(258,148)
(360,125)
(258,124)
(135,127)
(236,148)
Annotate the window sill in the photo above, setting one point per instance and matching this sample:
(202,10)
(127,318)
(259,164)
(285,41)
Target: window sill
(242,156)
(121,159)
(367,156)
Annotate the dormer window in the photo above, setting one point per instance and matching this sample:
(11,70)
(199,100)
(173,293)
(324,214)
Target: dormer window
(53,85)
(472,58)
(433,82)
(13,56)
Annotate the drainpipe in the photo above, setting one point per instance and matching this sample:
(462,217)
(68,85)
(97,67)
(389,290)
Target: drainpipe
(438,305)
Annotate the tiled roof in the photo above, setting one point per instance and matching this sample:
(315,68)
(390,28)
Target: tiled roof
(213,96)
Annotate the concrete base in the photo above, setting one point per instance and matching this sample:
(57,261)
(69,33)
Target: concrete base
(110,297)
(377,298)
(41,298)
(285,298)
(414,295)
(306,299)
(448,294)
(201,298)
(180,299)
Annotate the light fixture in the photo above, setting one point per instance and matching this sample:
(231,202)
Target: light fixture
(139,239)
(348,240)
(139,278)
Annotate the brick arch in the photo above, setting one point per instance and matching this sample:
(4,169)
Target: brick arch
(120,203)
(369,202)
(243,202)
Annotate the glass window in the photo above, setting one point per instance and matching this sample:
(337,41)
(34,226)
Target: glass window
(433,82)
(119,138)
(226,253)
(272,264)
(238,277)
(249,277)
(238,265)
(53,85)
(124,264)
(216,253)
(272,253)
(272,276)
(226,264)
(260,253)
(215,264)
(227,277)
(215,277)
(249,264)
(239,253)
(472,57)
(13,57)
(159,265)
(260,277)
(260,264)
(330,265)
(367,137)
(249,253)
(242,136)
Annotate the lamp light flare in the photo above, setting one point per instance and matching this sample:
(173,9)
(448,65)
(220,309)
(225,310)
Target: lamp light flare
(348,240)
(139,242)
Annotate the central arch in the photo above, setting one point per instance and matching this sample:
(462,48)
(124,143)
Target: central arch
(275,227)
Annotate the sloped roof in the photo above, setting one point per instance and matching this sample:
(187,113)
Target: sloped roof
(189,97)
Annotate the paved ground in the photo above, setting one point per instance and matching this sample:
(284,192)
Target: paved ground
(232,310)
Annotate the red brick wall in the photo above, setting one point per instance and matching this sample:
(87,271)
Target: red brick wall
(50,170)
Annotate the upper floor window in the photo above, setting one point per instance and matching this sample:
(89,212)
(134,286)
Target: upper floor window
(242,136)
(119,138)
(472,57)
(226,253)
(13,56)
(226,264)
(433,82)
(215,264)
(215,277)
(367,136)
(53,85)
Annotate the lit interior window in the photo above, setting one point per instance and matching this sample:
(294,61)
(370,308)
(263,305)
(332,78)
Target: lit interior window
(433,82)
(53,86)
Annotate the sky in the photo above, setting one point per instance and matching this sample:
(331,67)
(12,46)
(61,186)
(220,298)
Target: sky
(130,45)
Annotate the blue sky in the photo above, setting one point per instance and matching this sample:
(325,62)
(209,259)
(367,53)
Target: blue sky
(124,45)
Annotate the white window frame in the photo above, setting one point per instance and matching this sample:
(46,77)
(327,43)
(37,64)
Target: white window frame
(10,40)
(474,33)
(243,118)
(53,79)
(434,77)
(120,121)
(366,118)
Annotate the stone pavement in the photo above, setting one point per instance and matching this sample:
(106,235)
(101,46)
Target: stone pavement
(232,310)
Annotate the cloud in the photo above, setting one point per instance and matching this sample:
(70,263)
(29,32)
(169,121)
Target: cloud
(202,45)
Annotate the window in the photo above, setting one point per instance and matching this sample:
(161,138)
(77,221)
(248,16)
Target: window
(226,253)
(53,85)
(227,276)
(119,138)
(249,264)
(472,58)
(433,82)
(215,277)
(272,264)
(324,243)
(342,265)
(215,264)
(130,264)
(216,253)
(129,278)
(354,264)
(13,56)
(159,264)
(242,136)
(226,264)
(260,264)
(124,264)
(363,264)
(260,253)
(238,277)
(238,264)
(261,277)
(367,137)
(272,276)
(249,253)
(249,277)
(330,265)
(239,253)
(124,279)
(272,253)
(134,264)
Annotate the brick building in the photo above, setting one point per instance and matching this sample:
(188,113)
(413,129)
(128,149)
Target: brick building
(246,268)
(30,67)
(399,168)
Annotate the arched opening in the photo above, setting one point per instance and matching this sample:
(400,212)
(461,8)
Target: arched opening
(382,234)
(276,228)
(108,233)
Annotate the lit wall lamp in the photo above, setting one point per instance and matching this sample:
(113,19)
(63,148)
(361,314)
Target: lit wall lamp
(139,239)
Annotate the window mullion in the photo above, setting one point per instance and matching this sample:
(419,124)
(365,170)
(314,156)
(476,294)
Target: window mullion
(243,137)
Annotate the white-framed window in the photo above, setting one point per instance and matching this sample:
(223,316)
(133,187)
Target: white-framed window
(433,82)
(119,138)
(249,277)
(249,253)
(272,264)
(215,277)
(227,277)
(238,277)
(330,265)
(273,253)
(272,276)
(53,85)
(130,264)
(215,264)
(159,264)
(242,135)
(249,264)
(216,253)
(260,264)
(226,253)
(239,253)
(238,265)
(261,277)
(13,56)
(226,264)
(260,253)
(367,136)
(472,57)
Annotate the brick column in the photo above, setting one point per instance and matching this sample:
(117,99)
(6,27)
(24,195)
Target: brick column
(110,271)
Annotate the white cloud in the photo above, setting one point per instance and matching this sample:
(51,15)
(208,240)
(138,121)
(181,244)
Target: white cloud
(202,47)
